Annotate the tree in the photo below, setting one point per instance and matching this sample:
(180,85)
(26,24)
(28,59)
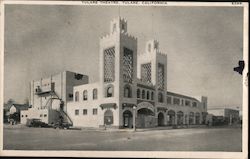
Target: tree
(10,101)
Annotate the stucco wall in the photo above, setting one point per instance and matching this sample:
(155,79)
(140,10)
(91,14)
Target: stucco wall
(34,113)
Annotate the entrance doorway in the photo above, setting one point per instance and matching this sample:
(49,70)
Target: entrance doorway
(145,118)
(127,119)
(160,119)
(108,117)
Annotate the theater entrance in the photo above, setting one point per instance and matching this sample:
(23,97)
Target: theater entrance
(145,118)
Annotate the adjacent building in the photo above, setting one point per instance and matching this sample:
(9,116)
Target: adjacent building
(130,85)
(49,96)
(17,108)
(13,111)
(227,115)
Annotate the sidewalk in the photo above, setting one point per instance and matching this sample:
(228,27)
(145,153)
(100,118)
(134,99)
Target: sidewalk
(17,126)
(6,125)
(139,129)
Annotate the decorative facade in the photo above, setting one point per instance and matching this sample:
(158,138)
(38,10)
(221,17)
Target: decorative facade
(130,84)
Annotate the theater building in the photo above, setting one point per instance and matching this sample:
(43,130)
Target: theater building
(130,85)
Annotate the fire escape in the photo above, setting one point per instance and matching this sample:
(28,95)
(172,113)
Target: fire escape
(53,96)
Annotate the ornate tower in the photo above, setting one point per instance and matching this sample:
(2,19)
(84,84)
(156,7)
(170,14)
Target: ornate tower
(118,66)
(152,67)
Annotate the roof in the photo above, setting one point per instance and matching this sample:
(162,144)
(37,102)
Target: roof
(21,106)
(145,84)
(181,96)
(222,109)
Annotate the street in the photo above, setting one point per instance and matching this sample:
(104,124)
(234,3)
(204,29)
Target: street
(192,139)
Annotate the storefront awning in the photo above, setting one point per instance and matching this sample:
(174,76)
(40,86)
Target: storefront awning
(108,105)
(128,105)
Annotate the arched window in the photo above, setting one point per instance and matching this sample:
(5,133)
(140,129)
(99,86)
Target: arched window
(180,117)
(147,95)
(138,93)
(77,96)
(95,93)
(160,97)
(85,95)
(143,94)
(152,95)
(127,91)
(110,91)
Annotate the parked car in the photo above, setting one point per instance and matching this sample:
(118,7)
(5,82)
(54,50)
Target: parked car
(36,123)
(61,125)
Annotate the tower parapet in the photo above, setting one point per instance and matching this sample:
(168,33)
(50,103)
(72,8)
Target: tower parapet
(129,36)
(118,25)
(152,46)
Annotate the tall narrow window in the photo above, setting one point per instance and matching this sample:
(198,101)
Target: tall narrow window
(169,100)
(109,65)
(123,27)
(148,95)
(127,91)
(160,76)
(152,95)
(77,96)
(95,93)
(143,94)
(127,65)
(138,93)
(146,72)
(160,97)
(85,95)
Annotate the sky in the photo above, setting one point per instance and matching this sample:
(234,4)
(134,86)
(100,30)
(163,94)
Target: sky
(203,45)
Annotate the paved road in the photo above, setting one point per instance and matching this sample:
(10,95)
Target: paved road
(195,139)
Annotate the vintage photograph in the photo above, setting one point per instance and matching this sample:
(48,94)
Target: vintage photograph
(123,78)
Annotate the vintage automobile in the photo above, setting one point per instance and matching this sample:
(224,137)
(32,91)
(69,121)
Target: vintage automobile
(36,123)
(61,125)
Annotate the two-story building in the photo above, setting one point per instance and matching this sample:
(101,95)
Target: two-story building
(130,85)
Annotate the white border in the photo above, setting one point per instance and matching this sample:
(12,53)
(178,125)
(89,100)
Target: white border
(157,154)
